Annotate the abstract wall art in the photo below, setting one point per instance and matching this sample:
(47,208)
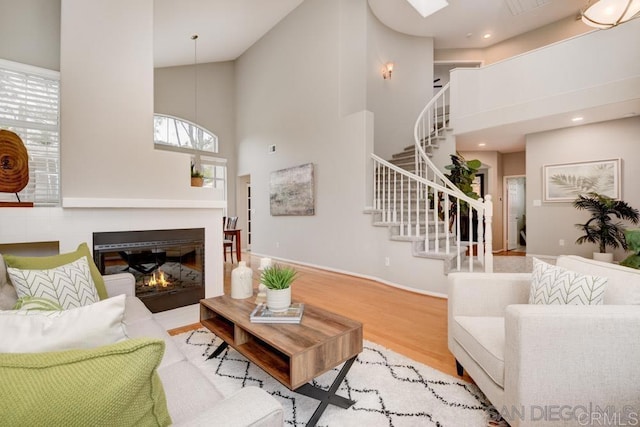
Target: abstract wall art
(292,191)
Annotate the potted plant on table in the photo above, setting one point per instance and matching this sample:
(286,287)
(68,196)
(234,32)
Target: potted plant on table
(600,228)
(197,178)
(278,282)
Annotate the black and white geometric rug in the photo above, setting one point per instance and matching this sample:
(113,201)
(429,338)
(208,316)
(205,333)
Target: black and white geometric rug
(389,389)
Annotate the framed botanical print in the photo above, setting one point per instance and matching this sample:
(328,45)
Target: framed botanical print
(564,182)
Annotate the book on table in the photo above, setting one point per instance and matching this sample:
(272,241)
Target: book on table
(261,314)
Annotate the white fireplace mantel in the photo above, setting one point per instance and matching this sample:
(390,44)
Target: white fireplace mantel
(103,203)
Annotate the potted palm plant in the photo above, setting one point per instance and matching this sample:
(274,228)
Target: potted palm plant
(278,282)
(601,228)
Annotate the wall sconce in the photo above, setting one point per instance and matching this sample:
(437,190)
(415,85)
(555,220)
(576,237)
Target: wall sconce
(387,69)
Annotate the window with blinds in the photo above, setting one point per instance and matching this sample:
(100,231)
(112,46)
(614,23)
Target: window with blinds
(30,107)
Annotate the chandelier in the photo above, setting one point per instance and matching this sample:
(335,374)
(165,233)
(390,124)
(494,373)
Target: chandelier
(606,14)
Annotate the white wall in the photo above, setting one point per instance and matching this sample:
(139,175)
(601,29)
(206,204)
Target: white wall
(30,32)
(550,222)
(543,36)
(106,66)
(396,102)
(561,78)
(287,95)
(174,95)
(534,39)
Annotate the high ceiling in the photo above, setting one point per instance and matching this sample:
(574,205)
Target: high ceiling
(463,23)
(227,28)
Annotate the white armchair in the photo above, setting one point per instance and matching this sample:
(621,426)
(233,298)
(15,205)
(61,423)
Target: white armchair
(550,364)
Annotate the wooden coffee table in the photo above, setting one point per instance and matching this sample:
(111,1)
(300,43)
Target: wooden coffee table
(293,354)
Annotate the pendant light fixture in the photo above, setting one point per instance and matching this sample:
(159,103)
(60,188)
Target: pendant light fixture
(606,14)
(195,77)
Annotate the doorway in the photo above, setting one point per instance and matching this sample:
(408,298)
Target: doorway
(515,226)
(245,210)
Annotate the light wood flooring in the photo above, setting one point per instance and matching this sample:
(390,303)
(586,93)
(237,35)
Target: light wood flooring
(408,323)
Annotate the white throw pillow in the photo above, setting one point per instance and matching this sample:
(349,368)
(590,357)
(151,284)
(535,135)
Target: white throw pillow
(556,285)
(69,285)
(28,331)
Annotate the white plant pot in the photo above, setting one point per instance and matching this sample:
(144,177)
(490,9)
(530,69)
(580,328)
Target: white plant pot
(278,299)
(606,257)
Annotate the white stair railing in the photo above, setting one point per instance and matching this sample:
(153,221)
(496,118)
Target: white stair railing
(427,204)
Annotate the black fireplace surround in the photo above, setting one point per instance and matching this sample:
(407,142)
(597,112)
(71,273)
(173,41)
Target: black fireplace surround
(168,264)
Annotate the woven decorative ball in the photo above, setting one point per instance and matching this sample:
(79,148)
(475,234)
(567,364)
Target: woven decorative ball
(14,163)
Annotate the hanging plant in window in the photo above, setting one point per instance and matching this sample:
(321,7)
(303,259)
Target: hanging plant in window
(197,178)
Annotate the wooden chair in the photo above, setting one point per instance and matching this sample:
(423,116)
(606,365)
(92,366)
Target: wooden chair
(228,224)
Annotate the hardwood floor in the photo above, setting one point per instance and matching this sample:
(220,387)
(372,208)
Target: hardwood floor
(408,323)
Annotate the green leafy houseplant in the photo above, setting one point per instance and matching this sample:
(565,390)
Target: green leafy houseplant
(633,241)
(195,173)
(601,228)
(462,173)
(277,277)
(197,178)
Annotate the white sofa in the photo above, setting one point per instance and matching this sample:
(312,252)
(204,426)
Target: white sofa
(192,399)
(550,365)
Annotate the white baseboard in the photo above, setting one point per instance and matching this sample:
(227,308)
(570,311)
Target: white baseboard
(351,273)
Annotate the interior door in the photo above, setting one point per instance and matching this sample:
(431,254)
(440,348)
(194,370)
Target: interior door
(512,214)
(515,210)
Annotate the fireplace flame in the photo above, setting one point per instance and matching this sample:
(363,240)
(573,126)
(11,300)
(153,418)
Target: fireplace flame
(160,280)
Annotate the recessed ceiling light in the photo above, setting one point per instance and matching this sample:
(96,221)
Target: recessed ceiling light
(577,119)
(486,36)
(482,144)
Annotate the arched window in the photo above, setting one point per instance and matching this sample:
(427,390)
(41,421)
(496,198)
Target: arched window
(175,134)
(169,131)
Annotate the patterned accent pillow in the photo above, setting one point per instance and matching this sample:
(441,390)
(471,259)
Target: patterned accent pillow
(69,285)
(556,285)
(46,262)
